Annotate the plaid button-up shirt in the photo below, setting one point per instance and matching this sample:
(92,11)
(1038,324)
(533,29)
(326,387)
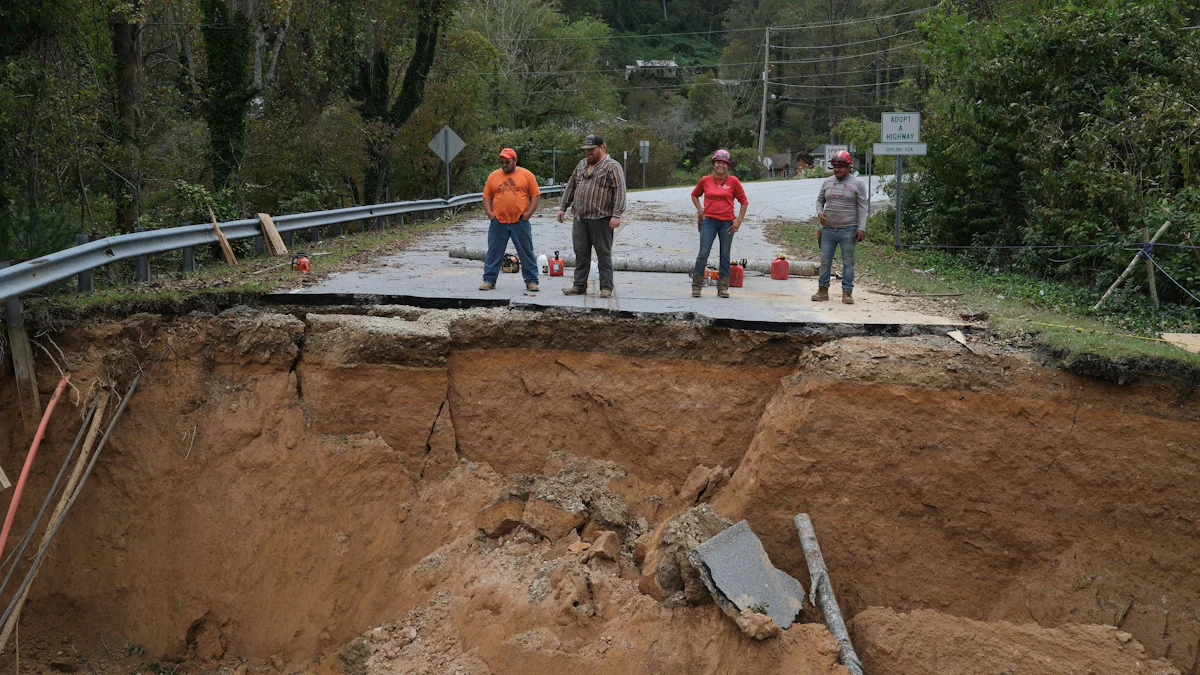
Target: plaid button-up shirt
(600,194)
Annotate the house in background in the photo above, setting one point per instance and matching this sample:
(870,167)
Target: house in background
(786,164)
(657,70)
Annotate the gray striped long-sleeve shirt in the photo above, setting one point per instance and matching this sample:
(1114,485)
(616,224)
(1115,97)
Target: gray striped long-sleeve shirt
(844,202)
(600,194)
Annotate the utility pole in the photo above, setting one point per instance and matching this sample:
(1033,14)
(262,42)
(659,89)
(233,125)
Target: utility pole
(762,123)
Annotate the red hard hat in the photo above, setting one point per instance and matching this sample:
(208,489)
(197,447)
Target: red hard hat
(721,156)
(841,156)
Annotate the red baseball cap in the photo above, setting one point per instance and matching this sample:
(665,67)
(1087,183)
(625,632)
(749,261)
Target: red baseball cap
(509,153)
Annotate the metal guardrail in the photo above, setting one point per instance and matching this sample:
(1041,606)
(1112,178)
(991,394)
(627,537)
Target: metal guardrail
(33,274)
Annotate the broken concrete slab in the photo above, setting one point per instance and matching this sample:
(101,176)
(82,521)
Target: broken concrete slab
(739,575)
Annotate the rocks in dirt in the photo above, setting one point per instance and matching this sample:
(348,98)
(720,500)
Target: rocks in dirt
(553,519)
(702,484)
(501,516)
(932,643)
(757,626)
(667,573)
(607,546)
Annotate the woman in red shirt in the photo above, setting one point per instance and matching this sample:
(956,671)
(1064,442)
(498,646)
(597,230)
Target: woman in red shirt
(716,219)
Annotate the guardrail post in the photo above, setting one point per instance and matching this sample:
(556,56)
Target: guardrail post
(143,262)
(22,357)
(337,229)
(189,254)
(86,283)
(314,234)
(260,244)
(289,239)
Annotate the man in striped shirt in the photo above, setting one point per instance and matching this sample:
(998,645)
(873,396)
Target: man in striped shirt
(597,192)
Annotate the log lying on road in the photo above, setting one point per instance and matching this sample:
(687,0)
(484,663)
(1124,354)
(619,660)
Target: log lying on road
(798,268)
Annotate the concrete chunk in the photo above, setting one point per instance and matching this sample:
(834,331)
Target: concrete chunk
(739,574)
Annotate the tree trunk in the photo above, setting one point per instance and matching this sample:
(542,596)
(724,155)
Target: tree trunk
(126,32)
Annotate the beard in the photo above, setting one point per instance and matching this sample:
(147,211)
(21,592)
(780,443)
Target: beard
(508,168)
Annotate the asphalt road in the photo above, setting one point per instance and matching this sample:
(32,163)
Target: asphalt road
(659,224)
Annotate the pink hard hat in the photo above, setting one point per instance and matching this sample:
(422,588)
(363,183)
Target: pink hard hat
(721,156)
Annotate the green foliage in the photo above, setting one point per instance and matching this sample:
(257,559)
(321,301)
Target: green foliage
(228,39)
(709,137)
(745,164)
(1063,123)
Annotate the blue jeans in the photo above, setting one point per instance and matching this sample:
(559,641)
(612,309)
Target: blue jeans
(831,238)
(522,237)
(709,230)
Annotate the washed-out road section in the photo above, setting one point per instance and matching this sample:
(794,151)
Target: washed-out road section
(659,224)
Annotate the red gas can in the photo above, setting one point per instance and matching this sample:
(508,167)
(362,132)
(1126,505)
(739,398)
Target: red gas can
(779,268)
(556,265)
(737,273)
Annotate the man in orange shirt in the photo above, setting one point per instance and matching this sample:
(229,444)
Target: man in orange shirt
(510,196)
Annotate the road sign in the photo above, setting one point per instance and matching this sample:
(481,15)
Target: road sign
(901,148)
(644,151)
(900,128)
(830,150)
(447,145)
(554,153)
(768,162)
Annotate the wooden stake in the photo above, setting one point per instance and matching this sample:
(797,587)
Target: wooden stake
(1150,273)
(1128,270)
(230,259)
(1196,251)
(272,234)
(22,356)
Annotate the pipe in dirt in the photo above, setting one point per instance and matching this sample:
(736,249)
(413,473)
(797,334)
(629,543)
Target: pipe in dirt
(16,553)
(37,442)
(822,589)
(798,268)
(12,614)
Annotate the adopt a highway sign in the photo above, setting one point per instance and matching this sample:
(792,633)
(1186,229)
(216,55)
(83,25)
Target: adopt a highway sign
(900,127)
(901,149)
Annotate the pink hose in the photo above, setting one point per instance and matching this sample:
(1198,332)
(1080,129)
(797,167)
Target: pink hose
(37,440)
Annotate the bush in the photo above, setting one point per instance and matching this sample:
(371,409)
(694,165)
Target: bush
(1062,123)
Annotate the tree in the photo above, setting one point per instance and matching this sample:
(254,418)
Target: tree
(242,42)
(126,26)
(375,91)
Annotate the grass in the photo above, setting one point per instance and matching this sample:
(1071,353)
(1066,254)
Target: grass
(1047,314)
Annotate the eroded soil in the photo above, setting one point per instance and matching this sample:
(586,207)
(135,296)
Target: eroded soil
(303,491)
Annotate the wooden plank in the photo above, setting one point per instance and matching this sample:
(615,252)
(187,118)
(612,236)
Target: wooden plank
(22,358)
(272,234)
(230,259)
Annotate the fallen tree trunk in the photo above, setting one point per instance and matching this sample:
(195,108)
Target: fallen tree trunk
(799,268)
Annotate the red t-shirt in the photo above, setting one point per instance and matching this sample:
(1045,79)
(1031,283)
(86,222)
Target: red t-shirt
(719,196)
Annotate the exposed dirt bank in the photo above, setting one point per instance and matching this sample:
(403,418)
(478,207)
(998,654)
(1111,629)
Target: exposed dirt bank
(282,483)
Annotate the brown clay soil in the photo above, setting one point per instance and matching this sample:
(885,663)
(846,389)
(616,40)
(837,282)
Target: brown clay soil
(306,491)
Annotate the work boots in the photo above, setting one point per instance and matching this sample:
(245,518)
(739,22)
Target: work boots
(723,286)
(822,294)
(847,298)
(697,284)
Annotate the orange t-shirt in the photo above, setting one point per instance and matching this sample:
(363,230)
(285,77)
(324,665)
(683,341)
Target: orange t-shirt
(510,193)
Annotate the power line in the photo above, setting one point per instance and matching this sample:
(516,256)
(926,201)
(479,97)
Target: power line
(849,56)
(729,30)
(845,44)
(823,59)
(844,72)
(834,86)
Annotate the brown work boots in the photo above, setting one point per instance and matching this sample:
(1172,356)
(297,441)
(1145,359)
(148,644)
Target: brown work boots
(723,286)
(697,284)
(822,295)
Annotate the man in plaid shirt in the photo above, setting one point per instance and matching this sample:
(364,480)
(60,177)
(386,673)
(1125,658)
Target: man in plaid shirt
(596,190)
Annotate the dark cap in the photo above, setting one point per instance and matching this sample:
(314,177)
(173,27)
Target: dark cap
(592,141)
